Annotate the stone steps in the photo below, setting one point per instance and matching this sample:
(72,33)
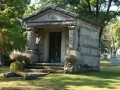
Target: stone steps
(49,64)
(45,68)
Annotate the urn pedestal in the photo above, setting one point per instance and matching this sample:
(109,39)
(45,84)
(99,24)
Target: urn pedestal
(32,54)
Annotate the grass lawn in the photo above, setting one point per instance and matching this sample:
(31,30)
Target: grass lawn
(107,79)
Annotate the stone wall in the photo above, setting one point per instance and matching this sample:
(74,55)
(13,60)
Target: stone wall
(88,45)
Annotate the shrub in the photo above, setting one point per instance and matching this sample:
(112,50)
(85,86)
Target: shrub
(5,60)
(71,56)
(15,55)
(16,67)
(21,57)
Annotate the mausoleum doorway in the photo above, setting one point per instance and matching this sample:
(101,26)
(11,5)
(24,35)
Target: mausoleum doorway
(54,44)
(55,47)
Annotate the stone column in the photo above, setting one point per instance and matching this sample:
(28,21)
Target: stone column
(31,51)
(73,46)
(31,38)
(73,39)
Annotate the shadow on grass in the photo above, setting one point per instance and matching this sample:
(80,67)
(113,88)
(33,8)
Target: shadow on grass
(64,82)
(12,88)
(100,80)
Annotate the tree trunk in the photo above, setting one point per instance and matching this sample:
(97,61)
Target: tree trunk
(108,8)
(88,3)
(97,9)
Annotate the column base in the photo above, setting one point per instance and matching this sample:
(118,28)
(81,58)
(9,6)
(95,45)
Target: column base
(32,55)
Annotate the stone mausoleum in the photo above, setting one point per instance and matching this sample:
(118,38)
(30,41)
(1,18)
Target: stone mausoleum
(52,31)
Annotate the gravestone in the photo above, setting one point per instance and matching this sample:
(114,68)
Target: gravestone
(104,57)
(115,60)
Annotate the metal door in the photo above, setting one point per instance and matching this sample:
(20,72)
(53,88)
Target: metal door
(55,47)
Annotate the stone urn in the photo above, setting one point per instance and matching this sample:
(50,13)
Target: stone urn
(71,59)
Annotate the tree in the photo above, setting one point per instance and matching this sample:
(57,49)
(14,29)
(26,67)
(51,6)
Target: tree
(111,36)
(12,37)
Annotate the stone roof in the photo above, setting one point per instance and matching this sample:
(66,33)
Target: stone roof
(58,9)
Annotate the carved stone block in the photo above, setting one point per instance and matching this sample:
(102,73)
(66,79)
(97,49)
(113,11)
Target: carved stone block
(85,32)
(9,74)
(30,76)
(72,68)
(94,52)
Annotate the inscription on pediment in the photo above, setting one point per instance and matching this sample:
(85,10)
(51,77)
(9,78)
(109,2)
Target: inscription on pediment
(50,16)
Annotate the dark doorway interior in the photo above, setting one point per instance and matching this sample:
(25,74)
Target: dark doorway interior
(55,47)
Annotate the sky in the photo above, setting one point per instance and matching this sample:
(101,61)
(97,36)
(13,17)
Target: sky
(33,1)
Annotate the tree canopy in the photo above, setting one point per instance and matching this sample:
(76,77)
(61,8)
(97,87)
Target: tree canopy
(11,33)
(111,36)
(11,36)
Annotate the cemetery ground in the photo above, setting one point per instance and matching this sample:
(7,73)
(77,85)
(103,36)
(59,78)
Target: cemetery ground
(107,79)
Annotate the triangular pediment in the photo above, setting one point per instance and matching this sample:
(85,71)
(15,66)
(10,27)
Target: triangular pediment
(52,12)
(51,15)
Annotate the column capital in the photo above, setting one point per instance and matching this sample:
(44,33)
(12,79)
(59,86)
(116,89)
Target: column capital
(31,29)
(73,27)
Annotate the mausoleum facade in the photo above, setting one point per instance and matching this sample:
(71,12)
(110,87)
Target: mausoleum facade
(52,31)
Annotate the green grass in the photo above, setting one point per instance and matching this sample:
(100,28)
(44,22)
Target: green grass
(107,79)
